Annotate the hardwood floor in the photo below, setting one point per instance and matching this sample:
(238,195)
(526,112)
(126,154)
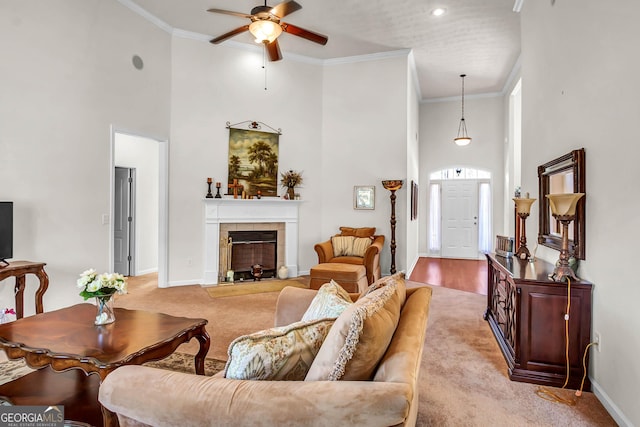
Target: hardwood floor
(462,274)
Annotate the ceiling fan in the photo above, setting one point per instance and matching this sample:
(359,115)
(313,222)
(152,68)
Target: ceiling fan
(266,26)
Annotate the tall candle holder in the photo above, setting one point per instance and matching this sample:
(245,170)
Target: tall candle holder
(523,208)
(209,194)
(563,209)
(393,185)
(218,185)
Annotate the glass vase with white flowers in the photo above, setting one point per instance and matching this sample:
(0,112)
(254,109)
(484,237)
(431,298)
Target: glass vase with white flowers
(102,287)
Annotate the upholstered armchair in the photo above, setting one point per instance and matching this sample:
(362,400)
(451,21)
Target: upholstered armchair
(355,251)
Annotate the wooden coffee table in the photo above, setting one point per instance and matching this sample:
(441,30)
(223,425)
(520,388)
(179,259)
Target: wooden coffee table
(67,338)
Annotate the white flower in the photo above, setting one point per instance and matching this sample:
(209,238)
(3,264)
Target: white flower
(94,286)
(91,284)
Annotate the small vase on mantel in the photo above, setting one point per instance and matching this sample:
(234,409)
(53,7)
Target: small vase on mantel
(291,193)
(105,313)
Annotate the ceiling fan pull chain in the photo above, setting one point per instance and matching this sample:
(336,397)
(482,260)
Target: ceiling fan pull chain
(264,64)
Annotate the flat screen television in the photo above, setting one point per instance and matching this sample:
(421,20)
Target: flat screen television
(6,232)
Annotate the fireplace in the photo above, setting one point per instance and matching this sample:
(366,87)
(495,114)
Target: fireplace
(249,248)
(225,215)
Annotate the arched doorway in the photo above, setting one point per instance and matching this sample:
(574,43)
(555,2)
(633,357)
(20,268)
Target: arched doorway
(459,213)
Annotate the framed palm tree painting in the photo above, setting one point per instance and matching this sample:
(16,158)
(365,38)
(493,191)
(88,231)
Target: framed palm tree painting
(253,161)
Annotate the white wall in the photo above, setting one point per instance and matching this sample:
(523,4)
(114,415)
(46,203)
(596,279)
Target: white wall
(413,168)
(580,89)
(439,125)
(67,77)
(364,141)
(142,154)
(213,85)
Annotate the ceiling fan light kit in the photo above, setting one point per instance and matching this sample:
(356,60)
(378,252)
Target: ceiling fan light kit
(266,26)
(462,139)
(265,31)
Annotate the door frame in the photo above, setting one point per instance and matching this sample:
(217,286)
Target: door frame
(163,201)
(438,180)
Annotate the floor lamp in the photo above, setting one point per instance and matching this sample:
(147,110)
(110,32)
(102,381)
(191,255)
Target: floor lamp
(563,208)
(393,185)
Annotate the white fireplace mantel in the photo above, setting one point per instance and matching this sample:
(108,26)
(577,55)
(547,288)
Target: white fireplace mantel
(218,211)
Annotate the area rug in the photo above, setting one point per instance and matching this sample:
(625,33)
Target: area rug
(13,369)
(183,362)
(247,288)
(179,362)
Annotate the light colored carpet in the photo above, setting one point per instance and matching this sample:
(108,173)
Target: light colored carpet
(251,287)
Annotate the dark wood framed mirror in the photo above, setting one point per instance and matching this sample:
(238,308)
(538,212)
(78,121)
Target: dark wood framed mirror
(566,174)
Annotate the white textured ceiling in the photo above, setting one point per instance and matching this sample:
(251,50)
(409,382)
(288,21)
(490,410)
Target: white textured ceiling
(480,38)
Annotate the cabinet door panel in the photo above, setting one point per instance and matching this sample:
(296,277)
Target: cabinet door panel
(546,340)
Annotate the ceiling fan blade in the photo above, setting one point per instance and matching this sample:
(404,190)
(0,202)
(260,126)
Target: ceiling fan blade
(273,49)
(285,8)
(305,34)
(229,12)
(230,34)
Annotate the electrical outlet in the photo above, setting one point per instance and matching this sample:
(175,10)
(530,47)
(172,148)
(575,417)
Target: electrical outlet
(189,262)
(597,340)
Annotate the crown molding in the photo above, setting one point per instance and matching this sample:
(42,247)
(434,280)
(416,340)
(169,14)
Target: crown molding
(146,15)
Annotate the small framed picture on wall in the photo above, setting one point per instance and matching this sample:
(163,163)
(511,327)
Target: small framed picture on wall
(364,197)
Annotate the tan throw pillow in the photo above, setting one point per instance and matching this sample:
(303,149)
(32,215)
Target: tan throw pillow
(358,232)
(384,281)
(330,301)
(282,353)
(342,245)
(359,337)
(360,246)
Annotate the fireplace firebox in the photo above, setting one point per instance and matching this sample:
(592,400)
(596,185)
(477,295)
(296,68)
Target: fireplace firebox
(248,248)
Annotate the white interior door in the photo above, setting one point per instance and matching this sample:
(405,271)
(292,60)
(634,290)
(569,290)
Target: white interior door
(460,219)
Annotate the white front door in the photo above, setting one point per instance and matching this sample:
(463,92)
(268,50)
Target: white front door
(460,219)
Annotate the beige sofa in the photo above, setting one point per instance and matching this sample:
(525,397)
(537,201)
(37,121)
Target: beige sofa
(147,396)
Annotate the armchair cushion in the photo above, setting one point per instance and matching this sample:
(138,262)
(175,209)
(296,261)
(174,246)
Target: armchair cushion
(350,246)
(358,232)
(330,301)
(360,336)
(280,353)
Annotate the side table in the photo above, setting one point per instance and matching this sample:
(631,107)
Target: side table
(19,269)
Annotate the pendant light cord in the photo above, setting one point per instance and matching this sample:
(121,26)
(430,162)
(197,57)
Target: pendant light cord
(463,76)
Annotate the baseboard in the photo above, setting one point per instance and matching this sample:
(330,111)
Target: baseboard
(611,407)
(147,271)
(184,282)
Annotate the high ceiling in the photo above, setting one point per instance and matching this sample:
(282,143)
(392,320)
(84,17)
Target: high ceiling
(480,38)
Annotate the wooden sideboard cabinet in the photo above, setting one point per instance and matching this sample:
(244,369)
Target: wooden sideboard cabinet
(526,313)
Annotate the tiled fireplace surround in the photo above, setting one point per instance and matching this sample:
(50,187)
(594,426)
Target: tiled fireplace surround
(224,215)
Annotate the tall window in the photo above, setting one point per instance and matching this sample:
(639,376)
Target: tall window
(484,217)
(434,218)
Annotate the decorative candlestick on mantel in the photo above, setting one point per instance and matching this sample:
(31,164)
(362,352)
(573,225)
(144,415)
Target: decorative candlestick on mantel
(393,186)
(209,194)
(218,185)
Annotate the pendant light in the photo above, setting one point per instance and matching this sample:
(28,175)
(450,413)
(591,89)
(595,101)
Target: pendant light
(462,138)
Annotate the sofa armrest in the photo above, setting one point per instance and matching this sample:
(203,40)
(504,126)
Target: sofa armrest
(164,398)
(292,303)
(324,251)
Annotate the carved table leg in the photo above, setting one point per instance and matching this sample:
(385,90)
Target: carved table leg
(19,291)
(44,284)
(205,342)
